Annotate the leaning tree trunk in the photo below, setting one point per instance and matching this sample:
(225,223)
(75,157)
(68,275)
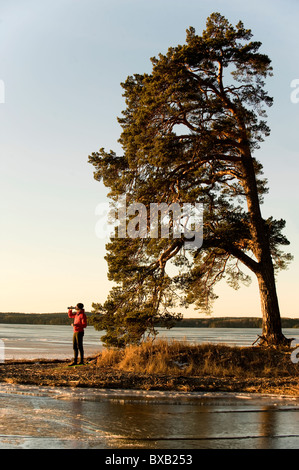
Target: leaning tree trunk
(271,327)
(271,331)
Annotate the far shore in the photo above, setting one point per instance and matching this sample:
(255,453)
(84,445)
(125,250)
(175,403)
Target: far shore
(164,366)
(61,318)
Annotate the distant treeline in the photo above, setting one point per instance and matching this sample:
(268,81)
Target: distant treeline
(233,322)
(36,318)
(209,322)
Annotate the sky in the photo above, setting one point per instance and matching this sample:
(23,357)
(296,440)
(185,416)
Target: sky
(61,65)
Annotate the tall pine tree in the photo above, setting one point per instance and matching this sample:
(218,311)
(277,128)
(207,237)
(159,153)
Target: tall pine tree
(189,132)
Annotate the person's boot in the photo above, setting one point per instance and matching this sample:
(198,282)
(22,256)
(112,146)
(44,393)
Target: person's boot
(74,363)
(81,363)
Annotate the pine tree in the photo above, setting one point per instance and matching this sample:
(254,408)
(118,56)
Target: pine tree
(189,132)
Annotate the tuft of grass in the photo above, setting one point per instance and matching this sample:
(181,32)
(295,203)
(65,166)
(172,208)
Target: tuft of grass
(185,359)
(109,357)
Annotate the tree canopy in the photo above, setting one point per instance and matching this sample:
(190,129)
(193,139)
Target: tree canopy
(189,132)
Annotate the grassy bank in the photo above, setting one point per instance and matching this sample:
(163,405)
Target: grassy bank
(181,358)
(172,366)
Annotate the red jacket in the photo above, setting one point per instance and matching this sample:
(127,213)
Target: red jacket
(80,319)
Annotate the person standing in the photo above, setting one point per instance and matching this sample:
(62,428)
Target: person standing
(80,322)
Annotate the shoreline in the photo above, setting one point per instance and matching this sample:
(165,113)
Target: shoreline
(150,396)
(57,373)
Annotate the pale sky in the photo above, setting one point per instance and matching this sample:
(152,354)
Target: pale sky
(61,64)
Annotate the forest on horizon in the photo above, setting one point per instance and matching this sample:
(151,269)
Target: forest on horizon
(208,322)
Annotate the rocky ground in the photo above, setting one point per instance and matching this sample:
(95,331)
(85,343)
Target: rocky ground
(58,373)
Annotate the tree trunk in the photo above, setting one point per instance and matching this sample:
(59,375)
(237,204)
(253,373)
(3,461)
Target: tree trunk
(271,330)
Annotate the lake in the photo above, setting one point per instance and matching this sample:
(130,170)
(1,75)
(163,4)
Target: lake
(55,341)
(80,418)
(65,418)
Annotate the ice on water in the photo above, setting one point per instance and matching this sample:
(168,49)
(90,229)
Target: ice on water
(49,417)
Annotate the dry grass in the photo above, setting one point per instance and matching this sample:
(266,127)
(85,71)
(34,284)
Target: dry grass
(167,366)
(181,358)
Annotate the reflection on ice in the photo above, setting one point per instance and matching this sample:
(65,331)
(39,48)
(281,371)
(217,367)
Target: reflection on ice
(41,417)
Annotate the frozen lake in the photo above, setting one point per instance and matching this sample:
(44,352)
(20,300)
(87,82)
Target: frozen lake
(63,418)
(55,341)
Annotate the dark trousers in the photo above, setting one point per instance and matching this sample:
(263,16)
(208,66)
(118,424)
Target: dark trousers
(78,345)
